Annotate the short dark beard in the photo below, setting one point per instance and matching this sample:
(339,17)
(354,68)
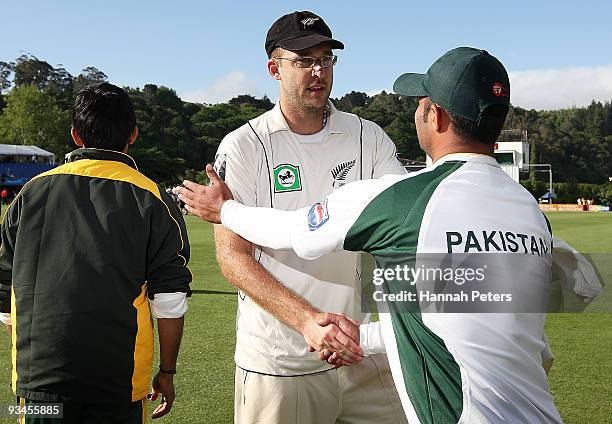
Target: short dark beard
(310,111)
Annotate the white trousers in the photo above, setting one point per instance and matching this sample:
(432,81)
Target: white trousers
(360,394)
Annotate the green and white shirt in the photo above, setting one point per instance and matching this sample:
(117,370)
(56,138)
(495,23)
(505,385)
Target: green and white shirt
(266,164)
(447,367)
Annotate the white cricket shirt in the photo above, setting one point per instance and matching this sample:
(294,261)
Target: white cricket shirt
(264,164)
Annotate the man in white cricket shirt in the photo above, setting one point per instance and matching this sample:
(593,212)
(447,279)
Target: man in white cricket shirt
(448,367)
(289,158)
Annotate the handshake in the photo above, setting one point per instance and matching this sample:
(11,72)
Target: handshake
(335,337)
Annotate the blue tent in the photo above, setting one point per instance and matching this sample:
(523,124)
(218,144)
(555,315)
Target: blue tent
(548,196)
(19,164)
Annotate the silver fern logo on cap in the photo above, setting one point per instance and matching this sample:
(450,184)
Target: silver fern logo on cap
(309,21)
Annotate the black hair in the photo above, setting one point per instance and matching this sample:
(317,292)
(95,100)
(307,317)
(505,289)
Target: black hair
(470,130)
(486,134)
(103,117)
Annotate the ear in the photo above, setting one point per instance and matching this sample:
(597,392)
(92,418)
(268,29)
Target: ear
(273,69)
(75,137)
(133,136)
(438,116)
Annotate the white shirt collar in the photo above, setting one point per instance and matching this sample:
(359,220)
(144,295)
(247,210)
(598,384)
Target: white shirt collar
(337,125)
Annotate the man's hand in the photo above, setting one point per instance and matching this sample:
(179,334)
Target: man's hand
(334,357)
(163,383)
(205,202)
(334,334)
(9,330)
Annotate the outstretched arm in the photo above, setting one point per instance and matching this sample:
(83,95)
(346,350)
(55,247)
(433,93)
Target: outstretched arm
(273,228)
(311,232)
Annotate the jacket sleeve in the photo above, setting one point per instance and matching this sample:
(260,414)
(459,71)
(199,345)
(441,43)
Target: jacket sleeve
(8,235)
(168,251)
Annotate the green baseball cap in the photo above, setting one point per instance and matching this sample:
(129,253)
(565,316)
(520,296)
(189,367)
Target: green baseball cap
(465,81)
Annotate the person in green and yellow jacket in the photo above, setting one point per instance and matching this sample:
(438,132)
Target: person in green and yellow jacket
(90,250)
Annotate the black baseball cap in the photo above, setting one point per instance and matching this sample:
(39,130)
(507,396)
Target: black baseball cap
(465,81)
(298,31)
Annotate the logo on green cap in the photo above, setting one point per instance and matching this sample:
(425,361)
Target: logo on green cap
(287,178)
(499,90)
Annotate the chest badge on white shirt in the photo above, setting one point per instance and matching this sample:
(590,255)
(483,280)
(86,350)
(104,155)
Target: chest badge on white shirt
(340,172)
(287,178)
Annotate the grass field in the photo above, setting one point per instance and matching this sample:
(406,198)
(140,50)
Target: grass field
(582,343)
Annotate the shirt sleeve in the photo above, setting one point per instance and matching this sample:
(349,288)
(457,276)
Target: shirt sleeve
(575,272)
(371,338)
(169,305)
(312,231)
(262,226)
(385,155)
(168,251)
(235,162)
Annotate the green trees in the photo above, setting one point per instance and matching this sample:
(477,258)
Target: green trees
(89,76)
(577,142)
(178,138)
(212,122)
(393,113)
(32,117)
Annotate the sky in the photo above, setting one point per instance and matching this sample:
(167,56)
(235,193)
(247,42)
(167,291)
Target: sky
(558,53)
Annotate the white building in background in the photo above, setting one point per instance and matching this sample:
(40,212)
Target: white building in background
(512,156)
